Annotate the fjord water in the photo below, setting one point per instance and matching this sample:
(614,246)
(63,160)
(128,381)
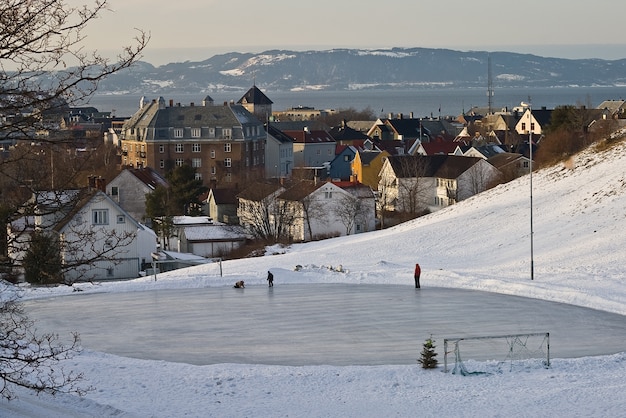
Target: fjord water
(424,102)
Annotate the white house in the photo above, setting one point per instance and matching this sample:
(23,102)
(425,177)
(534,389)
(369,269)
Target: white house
(202,236)
(278,153)
(130,187)
(326,209)
(415,183)
(98,240)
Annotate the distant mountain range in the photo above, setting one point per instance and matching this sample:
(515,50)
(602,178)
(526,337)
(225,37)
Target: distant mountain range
(350,69)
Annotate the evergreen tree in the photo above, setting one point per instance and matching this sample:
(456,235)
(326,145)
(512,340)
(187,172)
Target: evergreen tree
(185,191)
(42,261)
(428,360)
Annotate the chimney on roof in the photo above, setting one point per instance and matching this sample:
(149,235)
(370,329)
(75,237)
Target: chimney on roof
(101,184)
(400,116)
(411,115)
(191,104)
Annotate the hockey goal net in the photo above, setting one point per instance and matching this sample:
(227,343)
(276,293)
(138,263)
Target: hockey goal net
(491,354)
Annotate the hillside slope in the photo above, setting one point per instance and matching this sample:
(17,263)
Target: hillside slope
(484,242)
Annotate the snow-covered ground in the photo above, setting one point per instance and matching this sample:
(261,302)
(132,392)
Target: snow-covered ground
(481,244)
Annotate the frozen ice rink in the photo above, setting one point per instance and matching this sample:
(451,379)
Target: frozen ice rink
(312,324)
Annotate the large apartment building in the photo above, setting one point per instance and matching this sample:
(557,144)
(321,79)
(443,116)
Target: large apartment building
(225,143)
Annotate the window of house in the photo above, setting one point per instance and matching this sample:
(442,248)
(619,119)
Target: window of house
(211,132)
(229,178)
(100,216)
(228,147)
(196,148)
(328,195)
(212,153)
(523,126)
(227,133)
(121,219)
(180,148)
(178,132)
(161,163)
(195,132)
(115,191)
(196,162)
(213,171)
(179,162)
(198,176)
(227,162)
(161,149)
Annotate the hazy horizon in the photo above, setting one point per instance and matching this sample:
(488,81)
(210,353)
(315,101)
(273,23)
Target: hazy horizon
(195,30)
(163,56)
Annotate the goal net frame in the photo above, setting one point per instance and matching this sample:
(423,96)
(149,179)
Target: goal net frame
(512,340)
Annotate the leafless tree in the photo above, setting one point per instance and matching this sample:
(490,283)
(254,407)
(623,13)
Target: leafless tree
(351,211)
(44,69)
(411,189)
(33,361)
(264,215)
(311,209)
(479,179)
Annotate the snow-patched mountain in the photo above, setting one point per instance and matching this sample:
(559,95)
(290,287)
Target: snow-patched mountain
(345,69)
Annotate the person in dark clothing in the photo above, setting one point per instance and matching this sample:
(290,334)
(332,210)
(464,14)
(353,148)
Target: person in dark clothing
(418,272)
(270,279)
(240,284)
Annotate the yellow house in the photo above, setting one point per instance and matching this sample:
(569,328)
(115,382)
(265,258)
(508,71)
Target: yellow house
(367,165)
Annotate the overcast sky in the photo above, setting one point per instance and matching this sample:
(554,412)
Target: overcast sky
(194,30)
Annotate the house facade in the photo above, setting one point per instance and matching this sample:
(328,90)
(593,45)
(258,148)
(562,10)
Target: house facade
(221,205)
(98,240)
(129,189)
(326,209)
(224,143)
(201,236)
(415,183)
(312,148)
(258,212)
(366,167)
(278,153)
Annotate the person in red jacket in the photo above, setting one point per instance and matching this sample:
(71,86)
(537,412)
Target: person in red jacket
(418,272)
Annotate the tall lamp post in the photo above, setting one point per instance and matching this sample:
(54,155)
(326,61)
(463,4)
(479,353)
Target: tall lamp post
(530,170)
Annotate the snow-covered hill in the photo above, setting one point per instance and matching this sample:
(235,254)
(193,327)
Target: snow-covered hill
(482,243)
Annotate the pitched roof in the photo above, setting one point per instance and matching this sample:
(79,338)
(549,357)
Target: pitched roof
(259,191)
(301,190)
(310,137)
(442,166)
(225,196)
(504,158)
(355,188)
(439,147)
(149,177)
(368,156)
(277,134)
(346,133)
(255,96)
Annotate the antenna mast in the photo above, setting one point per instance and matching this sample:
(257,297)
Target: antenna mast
(489,85)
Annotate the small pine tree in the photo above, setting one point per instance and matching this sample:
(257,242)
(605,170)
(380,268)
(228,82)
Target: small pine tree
(428,360)
(42,260)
